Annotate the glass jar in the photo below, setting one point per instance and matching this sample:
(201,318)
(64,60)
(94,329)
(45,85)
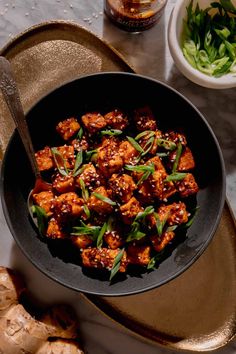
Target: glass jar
(134,15)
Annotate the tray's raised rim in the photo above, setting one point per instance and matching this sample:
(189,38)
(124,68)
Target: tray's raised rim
(53,23)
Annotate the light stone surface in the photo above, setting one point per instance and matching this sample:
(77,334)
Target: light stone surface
(148,53)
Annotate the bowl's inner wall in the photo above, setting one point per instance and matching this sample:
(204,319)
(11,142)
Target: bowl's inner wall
(104,92)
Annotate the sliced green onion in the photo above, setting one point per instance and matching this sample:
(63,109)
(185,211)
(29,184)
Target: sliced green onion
(111,132)
(78,162)
(166,144)
(135,144)
(101,234)
(85,193)
(116,264)
(42,218)
(87,211)
(104,199)
(59,160)
(155,259)
(91,231)
(177,157)
(80,133)
(142,214)
(148,133)
(140,168)
(89,154)
(176,176)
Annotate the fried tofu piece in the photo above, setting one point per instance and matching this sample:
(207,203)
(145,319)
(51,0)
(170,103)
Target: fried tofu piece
(81,241)
(144,142)
(187,186)
(92,179)
(159,243)
(98,205)
(103,258)
(145,195)
(174,214)
(68,156)
(157,183)
(109,159)
(168,190)
(186,161)
(130,210)
(68,127)
(122,187)
(67,206)
(144,119)
(54,230)
(81,144)
(93,122)
(63,184)
(113,239)
(116,120)
(139,255)
(44,159)
(176,137)
(44,200)
(127,151)
(157,162)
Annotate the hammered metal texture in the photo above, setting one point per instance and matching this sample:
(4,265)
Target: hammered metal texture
(48,55)
(197,310)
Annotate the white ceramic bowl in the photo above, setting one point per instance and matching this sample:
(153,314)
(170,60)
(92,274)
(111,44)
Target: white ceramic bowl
(175,28)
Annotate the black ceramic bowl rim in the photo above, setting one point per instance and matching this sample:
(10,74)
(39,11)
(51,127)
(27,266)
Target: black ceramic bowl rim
(168,278)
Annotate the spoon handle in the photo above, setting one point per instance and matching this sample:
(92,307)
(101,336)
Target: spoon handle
(10,92)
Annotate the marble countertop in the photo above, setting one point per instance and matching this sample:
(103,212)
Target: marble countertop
(148,53)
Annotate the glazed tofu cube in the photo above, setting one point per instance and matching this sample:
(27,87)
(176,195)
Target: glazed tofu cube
(44,200)
(168,190)
(127,151)
(157,183)
(68,127)
(102,258)
(157,162)
(130,210)
(93,122)
(159,243)
(187,186)
(108,158)
(68,155)
(113,239)
(98,205)
(122,187)
(144,119)
(186,161)
(54,230)
(149,142)
(81,144)
(139,255)
(145,194)
(176,137)
(63,184)
(90,176)
(67,206)
(44,159)
(81,241)
(174,214)
(116,120)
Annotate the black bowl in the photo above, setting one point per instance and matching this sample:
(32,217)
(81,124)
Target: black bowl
(102,92)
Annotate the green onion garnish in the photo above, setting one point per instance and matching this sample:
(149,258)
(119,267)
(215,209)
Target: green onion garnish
(116,264)
(104,199)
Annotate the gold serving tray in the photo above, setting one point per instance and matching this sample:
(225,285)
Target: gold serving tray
(197,310)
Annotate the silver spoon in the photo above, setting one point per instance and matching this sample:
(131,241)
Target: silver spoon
(11,95)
